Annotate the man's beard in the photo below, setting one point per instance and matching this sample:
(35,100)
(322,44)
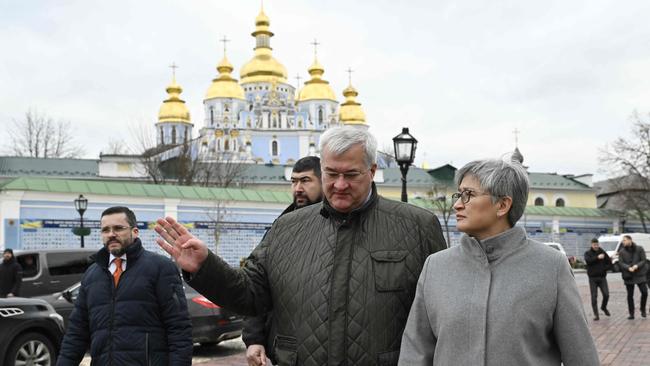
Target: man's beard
(306,203)
(119,251)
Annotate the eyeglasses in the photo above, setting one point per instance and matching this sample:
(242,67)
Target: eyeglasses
(117,229)
(351,176)
(466,195)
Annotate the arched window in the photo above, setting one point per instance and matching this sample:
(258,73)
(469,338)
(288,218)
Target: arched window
(185,134)
(162,136)
(320,116)
(218,144)
(539,201)
(274,148)
(211,116)
(173,134)
(234,145)
(559,202)
(226,144)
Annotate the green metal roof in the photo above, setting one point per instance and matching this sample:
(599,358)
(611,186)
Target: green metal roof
(17,166)
(143,190)
(555,181)
(543,210)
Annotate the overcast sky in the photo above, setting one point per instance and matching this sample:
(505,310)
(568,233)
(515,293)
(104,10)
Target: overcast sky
(461,74)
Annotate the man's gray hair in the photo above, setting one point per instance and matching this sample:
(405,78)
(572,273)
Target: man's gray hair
(338,140)
(500,178)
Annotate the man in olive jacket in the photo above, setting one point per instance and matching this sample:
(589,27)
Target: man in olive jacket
(339,277)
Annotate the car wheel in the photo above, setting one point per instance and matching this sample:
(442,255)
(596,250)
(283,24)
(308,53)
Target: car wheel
(31,349)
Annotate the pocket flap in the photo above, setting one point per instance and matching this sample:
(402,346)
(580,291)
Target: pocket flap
(389,255)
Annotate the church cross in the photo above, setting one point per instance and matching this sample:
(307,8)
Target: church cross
(315,44)
(349,71)
(516,132)
(224,40)
(298,80)
(173,66)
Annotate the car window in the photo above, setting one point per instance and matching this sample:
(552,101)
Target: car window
(60,264)
(30,264)
(554,246)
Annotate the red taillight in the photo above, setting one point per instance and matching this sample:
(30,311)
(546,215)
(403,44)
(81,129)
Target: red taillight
(201,300)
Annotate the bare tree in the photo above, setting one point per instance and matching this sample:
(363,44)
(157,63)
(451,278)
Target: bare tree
(116,146)
(217,214)
(186,163)
(443,204)
(39,136)
(628,159)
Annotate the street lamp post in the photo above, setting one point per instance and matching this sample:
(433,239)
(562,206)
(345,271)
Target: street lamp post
(405,146)
(81,204)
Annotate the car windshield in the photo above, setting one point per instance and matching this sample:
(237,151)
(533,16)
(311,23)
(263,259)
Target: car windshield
(608,246)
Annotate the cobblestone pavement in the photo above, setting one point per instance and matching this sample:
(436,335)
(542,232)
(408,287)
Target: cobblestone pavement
(619,341)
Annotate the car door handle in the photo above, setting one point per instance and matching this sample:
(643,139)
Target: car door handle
(55,281)
(37,283)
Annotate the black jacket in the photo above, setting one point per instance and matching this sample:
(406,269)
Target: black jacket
(340,287)
(627,257)
(11,277)
(144,321)
(597,267)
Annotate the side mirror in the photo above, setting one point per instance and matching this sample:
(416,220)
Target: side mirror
(67,295)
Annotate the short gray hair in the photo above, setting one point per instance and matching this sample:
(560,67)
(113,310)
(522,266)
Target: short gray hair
(338,140)
(500,178)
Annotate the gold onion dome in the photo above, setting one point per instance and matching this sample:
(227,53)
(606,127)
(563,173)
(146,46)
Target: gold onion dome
(263,67)
(316,87)
(224,85)
(351,112)
(173,108)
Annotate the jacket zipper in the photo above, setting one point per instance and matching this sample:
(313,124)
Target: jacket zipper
(146,348)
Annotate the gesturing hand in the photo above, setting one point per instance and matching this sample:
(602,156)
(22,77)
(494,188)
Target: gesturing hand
(187,250)
(256,355)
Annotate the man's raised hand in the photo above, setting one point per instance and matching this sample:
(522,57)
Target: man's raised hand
(187,250)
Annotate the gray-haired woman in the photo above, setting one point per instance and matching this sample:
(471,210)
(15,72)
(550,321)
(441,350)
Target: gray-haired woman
(498,298)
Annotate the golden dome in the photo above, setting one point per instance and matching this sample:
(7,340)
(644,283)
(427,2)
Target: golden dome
(316,87)
(224,85)
(351,112)
(173,108)
(263,67)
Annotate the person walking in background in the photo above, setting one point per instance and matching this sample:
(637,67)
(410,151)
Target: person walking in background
(498,298)
(11,275)
(339,277)
(307,189)
(632,261)
(598,262)
(131,307)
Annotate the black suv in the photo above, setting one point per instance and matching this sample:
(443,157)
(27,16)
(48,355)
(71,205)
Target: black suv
(31,332)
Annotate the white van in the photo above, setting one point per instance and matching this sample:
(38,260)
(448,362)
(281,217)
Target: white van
(612,243)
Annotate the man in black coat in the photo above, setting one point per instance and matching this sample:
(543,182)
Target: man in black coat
(11,275)
(632,260)
(131,308)
(597,264)
(307,189)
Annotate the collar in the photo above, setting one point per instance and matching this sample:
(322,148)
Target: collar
(111,258)
(493,248)
(328,211)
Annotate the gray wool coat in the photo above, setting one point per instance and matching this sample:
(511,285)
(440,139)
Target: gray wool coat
(505,301)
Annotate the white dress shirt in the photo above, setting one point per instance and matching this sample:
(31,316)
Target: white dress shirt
(111,264)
